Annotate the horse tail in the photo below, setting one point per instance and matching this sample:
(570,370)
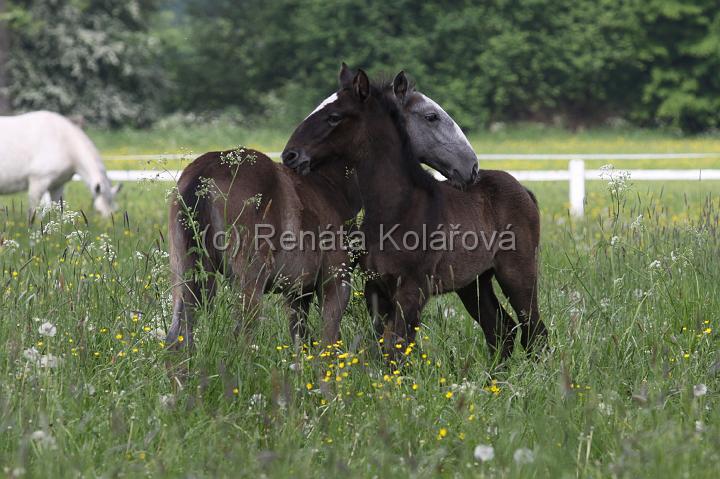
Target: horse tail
(189,225)
(532,197)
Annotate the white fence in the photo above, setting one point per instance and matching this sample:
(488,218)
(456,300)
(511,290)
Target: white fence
(576,173)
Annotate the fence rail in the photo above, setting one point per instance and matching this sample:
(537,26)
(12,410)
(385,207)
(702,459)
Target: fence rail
(498,156)
(576,174)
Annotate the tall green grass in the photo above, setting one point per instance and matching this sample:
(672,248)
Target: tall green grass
(630,296)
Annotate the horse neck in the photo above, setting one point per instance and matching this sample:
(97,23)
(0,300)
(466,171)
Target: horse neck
(86,158)
(337,184)
(388,189)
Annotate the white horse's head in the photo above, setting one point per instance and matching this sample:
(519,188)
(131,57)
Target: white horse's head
(104,197)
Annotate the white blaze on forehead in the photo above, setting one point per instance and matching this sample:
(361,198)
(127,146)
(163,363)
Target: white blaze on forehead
(461,136)
(322,105)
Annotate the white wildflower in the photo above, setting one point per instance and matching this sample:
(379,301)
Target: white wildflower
(655,264)
(699,390)
(43,439)
(49,361)
(158,333)
(51,227)
(618,180)
(484,453)
(605,408)
(31,354)
(47,329)
(168,400)
(699,426)
(9,244)
(18,472)
(614,241)
(523,456)
(77,236)
(638,223)
(257,400)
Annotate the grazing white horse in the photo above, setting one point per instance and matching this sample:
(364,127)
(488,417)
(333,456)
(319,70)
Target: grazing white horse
(41,151)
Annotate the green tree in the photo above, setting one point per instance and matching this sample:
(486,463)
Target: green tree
(498,60)
(4,104)
(88,57)
(683,45)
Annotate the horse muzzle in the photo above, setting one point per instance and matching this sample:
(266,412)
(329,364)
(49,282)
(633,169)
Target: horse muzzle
(296,160)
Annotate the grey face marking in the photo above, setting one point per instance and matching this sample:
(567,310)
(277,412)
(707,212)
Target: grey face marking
(322,105)
(431,106)
(438,141)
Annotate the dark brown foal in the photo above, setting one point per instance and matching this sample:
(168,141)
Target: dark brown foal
(417,229)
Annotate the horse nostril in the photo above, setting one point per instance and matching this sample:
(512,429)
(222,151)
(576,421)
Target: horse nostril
(475,172)
(289,156)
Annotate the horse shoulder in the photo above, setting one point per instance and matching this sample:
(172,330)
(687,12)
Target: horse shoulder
(293,206)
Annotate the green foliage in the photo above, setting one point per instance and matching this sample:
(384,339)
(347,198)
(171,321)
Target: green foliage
(573,62)
(683,40)
(88,57)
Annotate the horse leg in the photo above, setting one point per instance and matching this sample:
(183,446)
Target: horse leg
(299,305)
(56,194)
(410,299)
(37,187)
(520,287)
(334,298)
(379,305)
(481,303)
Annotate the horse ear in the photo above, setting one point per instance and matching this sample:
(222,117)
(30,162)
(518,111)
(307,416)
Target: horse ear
(346,76)
(400,86)
(361,85)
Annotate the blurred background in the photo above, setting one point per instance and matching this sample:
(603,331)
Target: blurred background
(571,65)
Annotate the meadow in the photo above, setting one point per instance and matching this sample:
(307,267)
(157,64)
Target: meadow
(628,386)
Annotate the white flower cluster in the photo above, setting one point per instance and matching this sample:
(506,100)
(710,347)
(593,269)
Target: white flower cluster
(618,180)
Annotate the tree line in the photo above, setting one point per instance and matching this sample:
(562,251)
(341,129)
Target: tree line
(577,62)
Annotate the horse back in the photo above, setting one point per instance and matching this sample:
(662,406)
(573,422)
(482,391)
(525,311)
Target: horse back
(508,202)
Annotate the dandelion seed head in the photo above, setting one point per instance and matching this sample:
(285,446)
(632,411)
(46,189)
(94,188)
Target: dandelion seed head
(47,329)
(484,453)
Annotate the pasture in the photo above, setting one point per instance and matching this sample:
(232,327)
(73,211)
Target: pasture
(627,388)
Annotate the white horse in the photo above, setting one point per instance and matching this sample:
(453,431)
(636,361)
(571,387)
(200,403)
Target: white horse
(41,151)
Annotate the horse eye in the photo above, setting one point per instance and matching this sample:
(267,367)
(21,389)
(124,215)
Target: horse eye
(334,119)
(432,117)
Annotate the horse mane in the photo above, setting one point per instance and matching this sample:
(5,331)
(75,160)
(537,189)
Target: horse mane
(382,92)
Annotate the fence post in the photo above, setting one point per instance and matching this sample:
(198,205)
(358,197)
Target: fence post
(576,169)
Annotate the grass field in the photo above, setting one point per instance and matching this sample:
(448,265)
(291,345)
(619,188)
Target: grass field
(627,388)
(524,139)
